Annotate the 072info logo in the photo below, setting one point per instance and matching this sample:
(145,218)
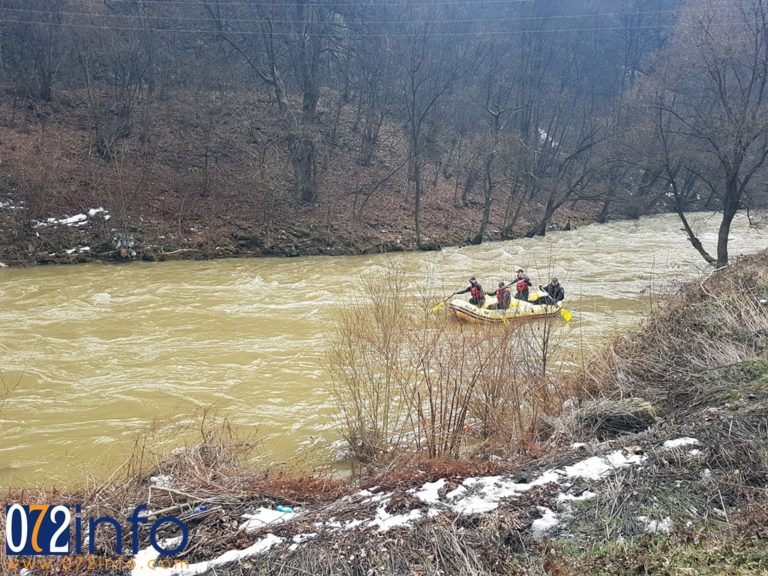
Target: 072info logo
(45,530)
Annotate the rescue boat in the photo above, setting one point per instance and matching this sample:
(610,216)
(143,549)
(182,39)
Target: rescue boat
(518,310)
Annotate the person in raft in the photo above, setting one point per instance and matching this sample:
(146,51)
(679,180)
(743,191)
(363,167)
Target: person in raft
(555,293)
(503,297)
(476,292)
(521,275)
(522,290)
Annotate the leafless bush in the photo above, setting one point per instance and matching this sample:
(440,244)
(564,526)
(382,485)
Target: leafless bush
(406,382)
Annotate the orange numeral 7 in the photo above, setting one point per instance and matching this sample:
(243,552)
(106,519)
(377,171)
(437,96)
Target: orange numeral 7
(35,531)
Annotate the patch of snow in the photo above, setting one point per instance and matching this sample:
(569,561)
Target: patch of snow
(76,220)
(544,524)
(264,517)
(598,466)
(429,492)
(578,445)
(148,556)
(679,442)
(479,495)
(386,521)
(299,539)
(656,526)
(476,505)
(694,452)
(335,525)
(456,493)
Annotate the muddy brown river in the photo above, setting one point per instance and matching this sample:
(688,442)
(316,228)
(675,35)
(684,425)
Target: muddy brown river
(94,356)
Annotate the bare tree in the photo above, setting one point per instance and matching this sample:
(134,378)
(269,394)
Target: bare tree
(709,95)
(428,70)
(268,52)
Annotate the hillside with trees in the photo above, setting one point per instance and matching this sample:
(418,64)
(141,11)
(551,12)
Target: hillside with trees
(214,128)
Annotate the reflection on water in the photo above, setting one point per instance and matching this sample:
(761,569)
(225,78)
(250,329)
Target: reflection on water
(96,353)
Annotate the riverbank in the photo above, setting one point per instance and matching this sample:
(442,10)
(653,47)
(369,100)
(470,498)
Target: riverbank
(665,473)
(196,181)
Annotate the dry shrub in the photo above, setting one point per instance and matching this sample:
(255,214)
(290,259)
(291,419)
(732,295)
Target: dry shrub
(520,391)
(406,382)
(369,366)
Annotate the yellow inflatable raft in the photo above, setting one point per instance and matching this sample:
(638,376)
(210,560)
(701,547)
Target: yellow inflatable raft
(518,310)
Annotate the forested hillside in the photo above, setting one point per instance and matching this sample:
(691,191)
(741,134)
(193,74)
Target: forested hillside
(292,127)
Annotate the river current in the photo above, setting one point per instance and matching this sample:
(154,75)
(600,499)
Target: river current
(94,356)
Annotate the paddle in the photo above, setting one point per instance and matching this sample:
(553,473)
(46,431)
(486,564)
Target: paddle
(439,306)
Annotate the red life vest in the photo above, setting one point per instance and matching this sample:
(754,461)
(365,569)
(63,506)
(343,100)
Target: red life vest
(521,286)
(500,294)
(476,292)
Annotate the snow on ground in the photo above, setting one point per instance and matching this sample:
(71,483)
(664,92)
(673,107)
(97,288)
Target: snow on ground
(76,220)
(542,525)
(598,466)
(264,517)
(475,495)
(386,521)
(147,563)
(680,442)
(9,204)
(80,250)
(429,492)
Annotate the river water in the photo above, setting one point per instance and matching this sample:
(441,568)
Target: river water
(94,356)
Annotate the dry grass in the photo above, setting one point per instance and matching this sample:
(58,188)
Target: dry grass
(676,359)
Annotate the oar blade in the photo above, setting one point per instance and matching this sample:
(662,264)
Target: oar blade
(565,314)
(437,307)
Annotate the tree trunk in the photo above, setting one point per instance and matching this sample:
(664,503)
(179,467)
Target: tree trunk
(302,151)
(417,207)
(469,184)
(730,207)
(603,217)
(695,242)
(488,190)
(549,210)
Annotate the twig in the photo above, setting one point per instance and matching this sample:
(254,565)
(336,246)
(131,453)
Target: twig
(707,292)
